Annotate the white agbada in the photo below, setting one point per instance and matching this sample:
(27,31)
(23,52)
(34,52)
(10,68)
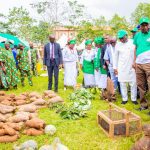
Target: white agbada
(123,61)
(70,59)
(124,58)
(89,79)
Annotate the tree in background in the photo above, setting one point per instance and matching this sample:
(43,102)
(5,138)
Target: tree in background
(75,13)
(40,32)
(117,23)
(50,11)
(142,10)
(59,12)
(20,22)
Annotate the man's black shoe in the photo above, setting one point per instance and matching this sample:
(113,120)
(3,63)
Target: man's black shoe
(142,108)
(124,102)
(135,102)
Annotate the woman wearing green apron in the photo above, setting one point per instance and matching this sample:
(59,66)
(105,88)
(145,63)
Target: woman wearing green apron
(87,64)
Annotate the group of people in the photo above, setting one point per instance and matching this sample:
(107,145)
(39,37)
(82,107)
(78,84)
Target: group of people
(125,60)
(13,61)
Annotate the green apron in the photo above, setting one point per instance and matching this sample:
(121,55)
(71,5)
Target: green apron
(88,67)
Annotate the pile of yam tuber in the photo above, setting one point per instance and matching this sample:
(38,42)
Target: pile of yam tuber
(18,112)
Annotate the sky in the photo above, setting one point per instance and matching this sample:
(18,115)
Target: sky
(95,8)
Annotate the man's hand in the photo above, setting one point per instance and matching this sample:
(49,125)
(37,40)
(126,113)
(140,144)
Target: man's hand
(104,67)
(60,66)
(97,69)
(134,65)
(80,66)
(116,71)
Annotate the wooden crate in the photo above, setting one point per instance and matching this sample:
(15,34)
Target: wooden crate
(119,122)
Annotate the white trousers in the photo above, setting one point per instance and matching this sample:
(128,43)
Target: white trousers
(124,91)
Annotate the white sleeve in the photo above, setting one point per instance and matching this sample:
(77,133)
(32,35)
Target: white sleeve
(81,60)
(77,57)
(116,56)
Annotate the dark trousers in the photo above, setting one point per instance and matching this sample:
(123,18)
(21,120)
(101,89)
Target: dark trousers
(53,68)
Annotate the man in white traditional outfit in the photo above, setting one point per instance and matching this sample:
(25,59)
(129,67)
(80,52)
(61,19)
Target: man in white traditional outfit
(124,58)
(70,59)
(87,64)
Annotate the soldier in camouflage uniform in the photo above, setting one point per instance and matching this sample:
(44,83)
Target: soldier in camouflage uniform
(23,65)
(3,81)
(12,75)
(34,59)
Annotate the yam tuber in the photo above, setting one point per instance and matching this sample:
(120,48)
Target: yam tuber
(6,109)
(28,108)
(9,130)
(2,93)
(7,138)
(33,132)
(39,102)
(56,99)
(35,123)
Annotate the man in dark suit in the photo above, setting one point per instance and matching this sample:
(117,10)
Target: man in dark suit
(105,46)
(53,61)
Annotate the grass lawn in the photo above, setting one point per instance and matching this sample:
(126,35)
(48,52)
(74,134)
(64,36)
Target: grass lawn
(82,134)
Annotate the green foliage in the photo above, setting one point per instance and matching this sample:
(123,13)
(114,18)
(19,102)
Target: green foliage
(40,32)
(142,10)
(20,22)
(72,113)
(85,31)
(81,102)
(117,23)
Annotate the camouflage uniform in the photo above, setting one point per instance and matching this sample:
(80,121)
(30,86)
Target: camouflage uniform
(12,75)
(34,61)
(3,81)
(24,66)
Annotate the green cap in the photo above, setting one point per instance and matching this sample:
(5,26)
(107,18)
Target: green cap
(72,41)
(88,42)
(144,20)
(121,33)
(134,30)
(99,40)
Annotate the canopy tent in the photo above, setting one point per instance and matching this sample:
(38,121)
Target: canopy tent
(63,41)
(12,39)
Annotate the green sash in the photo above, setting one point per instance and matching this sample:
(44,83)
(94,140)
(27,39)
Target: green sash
(97,62)
(97,59)
(88,67)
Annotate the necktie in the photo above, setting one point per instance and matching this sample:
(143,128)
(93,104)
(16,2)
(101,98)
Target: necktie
(52,52)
